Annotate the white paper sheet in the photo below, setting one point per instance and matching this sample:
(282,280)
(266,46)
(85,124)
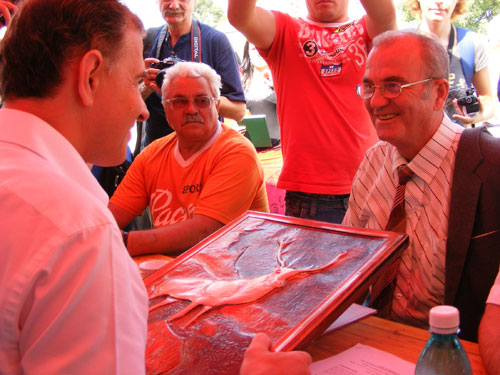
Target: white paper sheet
(352,314)
(363,359)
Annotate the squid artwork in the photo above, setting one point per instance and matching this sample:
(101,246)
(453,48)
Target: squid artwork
(212,293)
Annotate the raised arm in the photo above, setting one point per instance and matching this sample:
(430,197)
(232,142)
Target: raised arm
(380,16)
(257,24)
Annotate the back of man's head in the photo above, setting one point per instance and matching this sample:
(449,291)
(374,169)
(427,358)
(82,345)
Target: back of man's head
(45,35)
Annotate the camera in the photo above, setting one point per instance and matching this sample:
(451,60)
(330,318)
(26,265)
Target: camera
(469,101)
(163,66)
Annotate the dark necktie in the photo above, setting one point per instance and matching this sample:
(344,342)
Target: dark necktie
(397,218)
(396,223)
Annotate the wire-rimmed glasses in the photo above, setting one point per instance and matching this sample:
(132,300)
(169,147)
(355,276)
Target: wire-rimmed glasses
(389,90)
(181,102)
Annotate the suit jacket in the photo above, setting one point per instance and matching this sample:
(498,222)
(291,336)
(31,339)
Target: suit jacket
(473,245)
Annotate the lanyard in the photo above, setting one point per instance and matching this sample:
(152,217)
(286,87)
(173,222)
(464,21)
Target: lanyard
(195,41)
(451,42)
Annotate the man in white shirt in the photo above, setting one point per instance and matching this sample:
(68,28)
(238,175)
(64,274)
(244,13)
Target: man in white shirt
(451,211)
(71,299)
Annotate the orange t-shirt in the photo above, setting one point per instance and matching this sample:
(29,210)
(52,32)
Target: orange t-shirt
(222,181)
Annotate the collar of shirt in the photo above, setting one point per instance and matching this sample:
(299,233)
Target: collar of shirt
(310,21)
(31,132)
(211,141)
(427,162)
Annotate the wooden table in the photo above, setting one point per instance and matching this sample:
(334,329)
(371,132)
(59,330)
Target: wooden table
(401,340)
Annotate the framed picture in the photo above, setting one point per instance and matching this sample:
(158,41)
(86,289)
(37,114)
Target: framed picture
(287,277)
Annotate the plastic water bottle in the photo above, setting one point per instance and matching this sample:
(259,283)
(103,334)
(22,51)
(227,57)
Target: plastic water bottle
(443,353)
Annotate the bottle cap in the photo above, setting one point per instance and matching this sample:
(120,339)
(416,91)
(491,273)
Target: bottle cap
(444,319)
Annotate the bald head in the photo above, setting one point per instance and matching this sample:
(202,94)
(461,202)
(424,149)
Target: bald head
(406,73)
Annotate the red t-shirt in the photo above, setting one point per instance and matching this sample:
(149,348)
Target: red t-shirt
(325,129)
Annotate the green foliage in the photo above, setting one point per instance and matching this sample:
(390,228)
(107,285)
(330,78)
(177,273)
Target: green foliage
(208,13)
(479,13)
(404,12)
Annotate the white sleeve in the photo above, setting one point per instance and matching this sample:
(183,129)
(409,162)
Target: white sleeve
(481,54)
(87,309)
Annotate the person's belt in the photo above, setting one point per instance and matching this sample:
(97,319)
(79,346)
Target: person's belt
(322,196)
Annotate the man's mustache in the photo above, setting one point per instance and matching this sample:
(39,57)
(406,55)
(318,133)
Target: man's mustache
(192,118)
(173,12)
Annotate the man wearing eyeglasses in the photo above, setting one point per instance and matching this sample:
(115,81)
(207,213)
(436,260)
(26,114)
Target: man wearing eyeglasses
(194,180)
(190,40)
(452,197)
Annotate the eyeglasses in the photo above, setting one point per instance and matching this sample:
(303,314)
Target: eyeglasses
(201,101)
(389,90)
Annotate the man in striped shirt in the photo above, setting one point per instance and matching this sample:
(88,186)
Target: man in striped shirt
(405,103)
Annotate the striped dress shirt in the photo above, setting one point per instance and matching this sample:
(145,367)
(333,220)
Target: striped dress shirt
(420,281)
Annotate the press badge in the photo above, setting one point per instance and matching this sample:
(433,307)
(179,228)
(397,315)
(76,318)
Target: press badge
(331,70)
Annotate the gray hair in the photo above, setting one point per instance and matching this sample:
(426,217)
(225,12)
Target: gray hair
(432,52)
(191,69)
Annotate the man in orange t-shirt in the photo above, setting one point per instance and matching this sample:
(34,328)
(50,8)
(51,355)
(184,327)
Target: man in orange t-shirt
(194,180)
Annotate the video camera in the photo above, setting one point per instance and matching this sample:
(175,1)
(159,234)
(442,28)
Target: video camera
(163,66)
(469,101)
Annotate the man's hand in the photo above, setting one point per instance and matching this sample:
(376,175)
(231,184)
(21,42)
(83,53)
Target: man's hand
(463,117)
(149,81)
(6,11)
(486,111)
(259,360)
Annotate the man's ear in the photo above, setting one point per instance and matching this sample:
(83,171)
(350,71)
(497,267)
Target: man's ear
(91,66)
(442,93)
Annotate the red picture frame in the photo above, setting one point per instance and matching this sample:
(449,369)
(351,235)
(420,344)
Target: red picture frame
(207,304)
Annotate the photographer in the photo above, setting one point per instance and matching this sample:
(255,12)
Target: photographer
(183,39)
(469,60)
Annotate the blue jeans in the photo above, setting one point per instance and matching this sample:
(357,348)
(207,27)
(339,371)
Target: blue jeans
(322,207)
